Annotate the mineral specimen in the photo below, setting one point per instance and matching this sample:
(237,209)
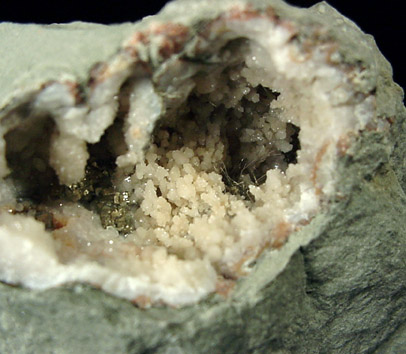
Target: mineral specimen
(195,153)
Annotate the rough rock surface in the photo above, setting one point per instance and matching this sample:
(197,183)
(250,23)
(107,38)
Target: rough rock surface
(344,292)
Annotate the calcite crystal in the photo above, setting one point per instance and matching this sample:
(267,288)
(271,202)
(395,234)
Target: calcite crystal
(202,142)
(190,154)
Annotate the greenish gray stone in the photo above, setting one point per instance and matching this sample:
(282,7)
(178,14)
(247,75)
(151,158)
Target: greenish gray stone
(40,53)
(345,292)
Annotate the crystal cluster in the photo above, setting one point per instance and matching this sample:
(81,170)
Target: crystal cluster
(195,148)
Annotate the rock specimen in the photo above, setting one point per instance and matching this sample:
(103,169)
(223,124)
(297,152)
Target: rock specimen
(188,160)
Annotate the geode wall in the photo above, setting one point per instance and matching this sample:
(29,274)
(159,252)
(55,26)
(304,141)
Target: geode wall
(243,159)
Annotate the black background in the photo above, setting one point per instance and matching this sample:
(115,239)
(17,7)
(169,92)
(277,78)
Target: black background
(382,19)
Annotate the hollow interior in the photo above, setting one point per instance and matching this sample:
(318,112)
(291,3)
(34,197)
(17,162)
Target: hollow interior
(27,155)
(209,195)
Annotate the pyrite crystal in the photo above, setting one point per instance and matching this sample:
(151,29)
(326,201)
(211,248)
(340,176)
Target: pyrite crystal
(235,169)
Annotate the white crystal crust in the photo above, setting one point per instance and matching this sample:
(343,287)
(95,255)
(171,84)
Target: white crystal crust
(191,232)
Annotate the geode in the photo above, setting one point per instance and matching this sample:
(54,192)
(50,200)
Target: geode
(187,158)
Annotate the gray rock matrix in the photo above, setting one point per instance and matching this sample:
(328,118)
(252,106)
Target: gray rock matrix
(343,293)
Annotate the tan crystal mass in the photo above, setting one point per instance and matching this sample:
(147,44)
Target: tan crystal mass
(195,148)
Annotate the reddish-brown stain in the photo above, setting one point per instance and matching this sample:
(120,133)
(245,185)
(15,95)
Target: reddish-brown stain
(304,55)
(331,49)
(242,14)
(139,37)
(74,90)
(97,73)
(236,269)
(174,36)
(131,51)
(142,301)
(135,132)
(175,31)
(280,234)
(58,222)
(224,287)
(271,14)
(316,166)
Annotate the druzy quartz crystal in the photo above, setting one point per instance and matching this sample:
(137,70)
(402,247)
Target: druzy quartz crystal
(184,149)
